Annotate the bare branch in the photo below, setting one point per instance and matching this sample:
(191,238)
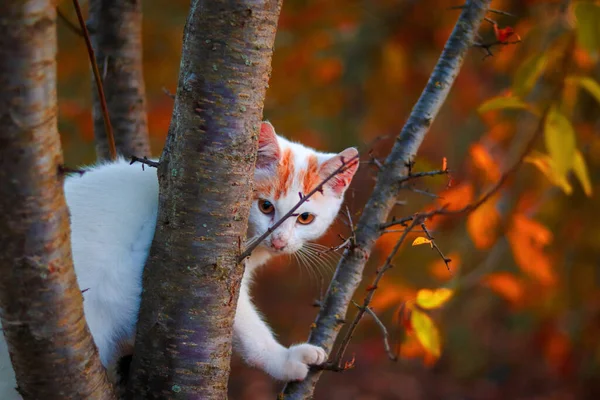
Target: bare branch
(370,292)
(386,342)
(107,125)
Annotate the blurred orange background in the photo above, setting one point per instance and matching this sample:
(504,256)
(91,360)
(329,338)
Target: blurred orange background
(524,322)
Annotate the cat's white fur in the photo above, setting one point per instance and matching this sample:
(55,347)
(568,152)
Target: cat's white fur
(113,209)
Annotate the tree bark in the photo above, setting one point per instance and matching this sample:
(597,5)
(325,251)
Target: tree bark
(349,271)
(116,35)
(191,280)
(41,306)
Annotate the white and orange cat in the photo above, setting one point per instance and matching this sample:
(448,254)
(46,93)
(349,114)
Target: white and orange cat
(113,209)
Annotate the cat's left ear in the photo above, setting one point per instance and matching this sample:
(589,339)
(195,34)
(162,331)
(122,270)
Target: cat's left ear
(340,182)
(268,146)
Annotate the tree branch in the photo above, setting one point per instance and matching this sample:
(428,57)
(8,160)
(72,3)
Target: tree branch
(349,271)
(116,34)
(88,44)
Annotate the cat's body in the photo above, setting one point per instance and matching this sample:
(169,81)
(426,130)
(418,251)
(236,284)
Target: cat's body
(113,211)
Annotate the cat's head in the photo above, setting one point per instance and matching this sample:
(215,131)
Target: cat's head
(285,171)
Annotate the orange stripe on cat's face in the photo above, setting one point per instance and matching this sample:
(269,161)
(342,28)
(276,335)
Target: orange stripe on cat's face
(280,185)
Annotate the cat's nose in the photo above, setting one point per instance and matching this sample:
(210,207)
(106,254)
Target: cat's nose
(278,244)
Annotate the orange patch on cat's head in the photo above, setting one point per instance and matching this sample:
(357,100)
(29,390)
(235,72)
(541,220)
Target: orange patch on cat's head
(279,184)
(285,174)
(310,176)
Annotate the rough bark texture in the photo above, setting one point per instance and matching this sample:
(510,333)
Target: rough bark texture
(191,280)
(40,304)
(116,34)
(349,271)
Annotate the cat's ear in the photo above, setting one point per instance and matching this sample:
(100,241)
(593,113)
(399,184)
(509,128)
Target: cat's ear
(340,182)
(268,147)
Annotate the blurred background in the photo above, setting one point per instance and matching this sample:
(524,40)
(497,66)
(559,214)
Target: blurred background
(524,320)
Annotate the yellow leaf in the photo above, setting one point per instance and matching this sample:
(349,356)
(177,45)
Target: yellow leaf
(588,84)
(426,332)
(420,240)
(502,102)
(582,174)
(430,299)
(528,73)
(588,26)
(559,136)
(545,164)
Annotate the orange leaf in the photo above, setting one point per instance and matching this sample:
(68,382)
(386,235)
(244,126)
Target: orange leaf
(389,295)
(527,239)
(426,332)
(421,240)
(430,299)
(506,285)
(457,197)
(484,161)
(482,224)
(444,164)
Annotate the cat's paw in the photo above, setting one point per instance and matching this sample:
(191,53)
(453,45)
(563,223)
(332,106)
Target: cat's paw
(297,360)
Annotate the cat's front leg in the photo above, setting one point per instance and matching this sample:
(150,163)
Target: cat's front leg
(255,342)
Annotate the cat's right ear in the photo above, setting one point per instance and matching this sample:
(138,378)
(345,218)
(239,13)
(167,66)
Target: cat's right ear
(268,147)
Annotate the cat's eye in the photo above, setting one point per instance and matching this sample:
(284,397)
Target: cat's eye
(306,218)
(265,206)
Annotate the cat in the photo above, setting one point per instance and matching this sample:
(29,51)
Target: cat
(113,208)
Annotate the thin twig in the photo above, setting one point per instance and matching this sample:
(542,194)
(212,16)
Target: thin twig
(435,246)
(168,92)
(319,188)
(500,12)
(370,292)
(88,43)
(68,22)
(386,342)
(144,161)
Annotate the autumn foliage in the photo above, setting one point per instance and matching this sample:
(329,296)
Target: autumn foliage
(518,302)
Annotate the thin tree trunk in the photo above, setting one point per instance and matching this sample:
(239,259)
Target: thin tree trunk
(41,306)
(191,280)
(116,34)
(349,271)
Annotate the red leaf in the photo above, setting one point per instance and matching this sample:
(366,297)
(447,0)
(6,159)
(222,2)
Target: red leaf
(503,34)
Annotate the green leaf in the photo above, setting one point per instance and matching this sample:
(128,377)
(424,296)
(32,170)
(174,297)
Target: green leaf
(502,102)
(426,331)
(588,26)
(588,84)
(528,73)
(560,141)
(544,163)
(582,174)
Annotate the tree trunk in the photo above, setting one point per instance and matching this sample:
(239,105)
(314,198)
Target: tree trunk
(116,35)
(191,280)
(41,306)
